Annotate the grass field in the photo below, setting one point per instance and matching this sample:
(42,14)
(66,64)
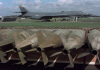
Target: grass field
(37,23)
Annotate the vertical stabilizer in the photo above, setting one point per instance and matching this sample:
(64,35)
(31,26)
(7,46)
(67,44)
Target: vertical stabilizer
(23,10)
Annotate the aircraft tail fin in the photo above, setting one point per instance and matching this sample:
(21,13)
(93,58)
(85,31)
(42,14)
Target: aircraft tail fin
(23,9)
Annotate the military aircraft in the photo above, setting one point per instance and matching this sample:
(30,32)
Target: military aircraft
(47,16)
(93,44)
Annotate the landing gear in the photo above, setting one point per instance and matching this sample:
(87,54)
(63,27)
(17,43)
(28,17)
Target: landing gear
(45,20)
(76,18)
(63,19)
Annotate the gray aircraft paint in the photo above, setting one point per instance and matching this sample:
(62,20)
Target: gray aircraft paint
(45,15)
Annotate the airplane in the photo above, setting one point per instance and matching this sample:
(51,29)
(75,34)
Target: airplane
(93,44)
(47,16)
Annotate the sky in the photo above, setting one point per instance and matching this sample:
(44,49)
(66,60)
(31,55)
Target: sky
(7,7)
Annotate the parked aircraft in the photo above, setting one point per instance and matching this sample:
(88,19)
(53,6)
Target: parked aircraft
(47,16)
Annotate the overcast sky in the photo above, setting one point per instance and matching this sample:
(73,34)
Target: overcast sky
(7,7)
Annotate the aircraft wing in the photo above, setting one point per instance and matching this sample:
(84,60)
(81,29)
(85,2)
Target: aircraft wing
(53,16)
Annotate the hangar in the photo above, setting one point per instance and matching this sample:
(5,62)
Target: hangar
(9,18)
(0,17)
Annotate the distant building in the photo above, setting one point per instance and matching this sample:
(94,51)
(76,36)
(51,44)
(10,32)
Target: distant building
(0,17)
(22,18)
(9,18)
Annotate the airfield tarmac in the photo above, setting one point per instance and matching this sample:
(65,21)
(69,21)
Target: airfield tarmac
(87,22)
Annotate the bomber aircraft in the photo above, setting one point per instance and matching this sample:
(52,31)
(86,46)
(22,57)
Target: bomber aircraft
(47,16)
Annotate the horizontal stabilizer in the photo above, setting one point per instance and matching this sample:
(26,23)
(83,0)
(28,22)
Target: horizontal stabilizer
(16,12)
